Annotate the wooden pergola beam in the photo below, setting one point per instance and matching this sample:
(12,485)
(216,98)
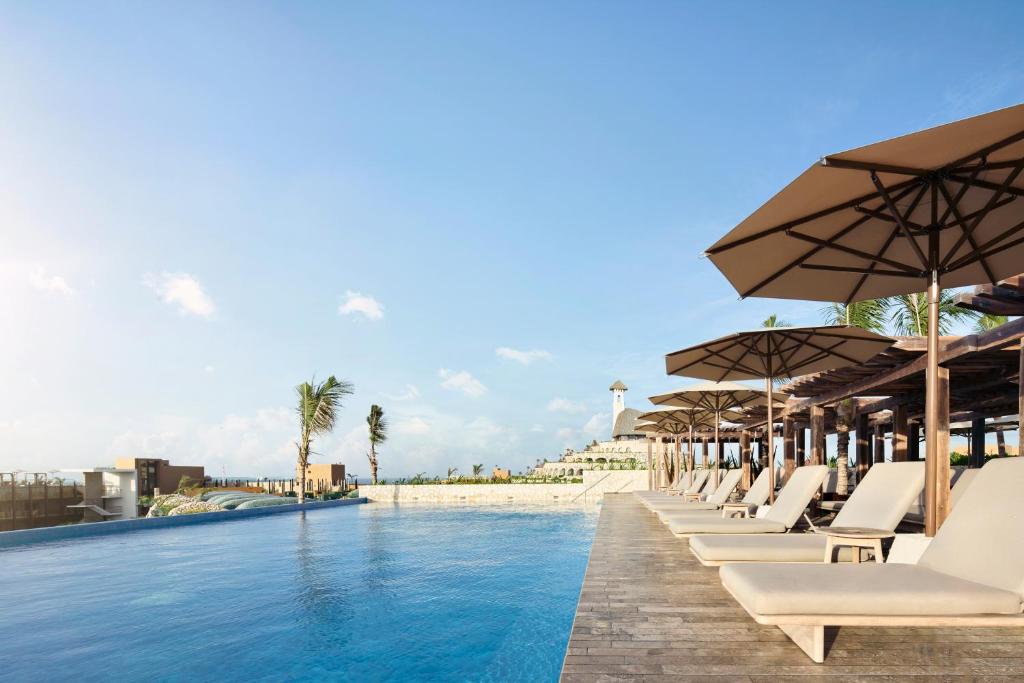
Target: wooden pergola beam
(1000,337)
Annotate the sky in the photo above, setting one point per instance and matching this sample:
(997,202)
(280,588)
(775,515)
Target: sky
(480,214)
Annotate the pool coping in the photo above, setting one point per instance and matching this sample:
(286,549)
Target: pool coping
(20,537)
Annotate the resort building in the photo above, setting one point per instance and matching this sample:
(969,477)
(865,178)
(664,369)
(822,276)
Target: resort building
(623,450)
(322,477)
(159,475)
(109,493)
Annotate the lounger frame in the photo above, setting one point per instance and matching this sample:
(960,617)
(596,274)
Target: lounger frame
(807,631)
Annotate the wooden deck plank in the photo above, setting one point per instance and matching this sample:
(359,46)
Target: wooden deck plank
(648,611)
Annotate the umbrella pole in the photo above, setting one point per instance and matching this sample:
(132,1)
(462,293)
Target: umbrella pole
(769,442)
(689,457)
(718,448)
(932,514)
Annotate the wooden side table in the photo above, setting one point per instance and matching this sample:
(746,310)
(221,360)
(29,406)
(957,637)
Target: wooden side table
(856,538)
(733,509)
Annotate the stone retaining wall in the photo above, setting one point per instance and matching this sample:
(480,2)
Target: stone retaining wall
(595,485)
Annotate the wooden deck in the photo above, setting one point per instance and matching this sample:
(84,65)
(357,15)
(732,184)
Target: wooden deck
(648,611)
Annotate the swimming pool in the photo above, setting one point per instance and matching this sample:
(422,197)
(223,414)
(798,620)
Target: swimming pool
(370,593)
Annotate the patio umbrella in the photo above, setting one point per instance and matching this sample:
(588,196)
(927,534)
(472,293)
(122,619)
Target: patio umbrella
(658,424)
(940,207)
(714,398)
(771,353)
(685,419)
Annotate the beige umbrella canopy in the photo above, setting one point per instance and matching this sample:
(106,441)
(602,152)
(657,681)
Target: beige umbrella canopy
(773,352)
(714,398)
(878,220)
(940,207)
(676,421)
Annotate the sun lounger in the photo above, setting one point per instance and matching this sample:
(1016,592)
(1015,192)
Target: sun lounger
(649,497)
(959,478)
(755,497)
(713,501)
(788,507)
(972,574)
(879,502)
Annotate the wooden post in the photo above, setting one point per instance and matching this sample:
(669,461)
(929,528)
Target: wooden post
(678,474)
(977,458)
(1020,402)
(800,435)
(914,441)
(936,491)
(899,434)
(817,435)
(879,447)
(650,462)
(863,447)
(788,447)
(704,451)
(745,479)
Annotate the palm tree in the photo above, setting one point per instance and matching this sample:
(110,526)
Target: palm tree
(844,421)
(318,409)
(478,470)
(869,315)
(989,321)
(773,321)
(378,434)
(910,313)
(452,471)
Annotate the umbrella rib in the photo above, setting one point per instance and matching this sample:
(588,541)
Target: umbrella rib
(985,151)
(977,221)
(966,260)
(717,354)
(830,350)
(971,258)
(965,231)
(866,271)
(854,252)
(899,218)
(806,219)
(799,260)
(985,184)
(885,246)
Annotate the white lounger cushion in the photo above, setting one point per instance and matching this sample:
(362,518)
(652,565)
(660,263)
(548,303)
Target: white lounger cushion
(878,503)
(714,523)
(721,494)
(788,507)
(758,493)
(983,538)
(861,589)
(760,548)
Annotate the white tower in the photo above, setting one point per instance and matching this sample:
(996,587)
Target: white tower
(618,390)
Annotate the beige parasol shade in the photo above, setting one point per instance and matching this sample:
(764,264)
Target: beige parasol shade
(941,207)
(878,220)
(715,398)
(773,352)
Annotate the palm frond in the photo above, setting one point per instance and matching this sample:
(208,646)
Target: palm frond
(868,315)
(378,425)
(909,313)
(989,321)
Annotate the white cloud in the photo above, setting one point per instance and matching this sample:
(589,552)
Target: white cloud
(523,357)
(461,381)
(411,393)
(209,369)
(537,428)
(596,425)
(181,289)
(414,425)
(41,280)
(362,304)
(565,433)
(562,405)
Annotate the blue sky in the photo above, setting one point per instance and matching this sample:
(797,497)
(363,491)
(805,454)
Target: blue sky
(203,204)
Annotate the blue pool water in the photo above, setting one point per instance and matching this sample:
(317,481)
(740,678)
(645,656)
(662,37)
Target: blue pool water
(364,593)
